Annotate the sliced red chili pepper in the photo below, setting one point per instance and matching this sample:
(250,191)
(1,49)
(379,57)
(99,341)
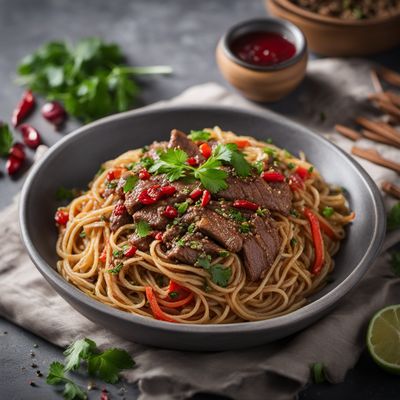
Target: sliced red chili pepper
(302,173)
(61,217)
(170,212)
(196,193)
(119,209)
(192,161)
(17,150)
(130,252)
(241,144)
(167,191)
(273,176)
(155,308)
(30,136)
(295,182)
(158,236)
(144,175)
(178,289)
(245,204)
(205,149)
(24,107)
(318,241)
(205,199)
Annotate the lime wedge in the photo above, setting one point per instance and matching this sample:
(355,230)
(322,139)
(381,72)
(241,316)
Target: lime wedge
(383,338)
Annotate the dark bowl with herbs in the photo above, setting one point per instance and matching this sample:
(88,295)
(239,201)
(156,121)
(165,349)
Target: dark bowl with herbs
(343,28)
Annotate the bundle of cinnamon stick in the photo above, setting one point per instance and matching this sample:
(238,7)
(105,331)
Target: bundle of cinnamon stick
(377,130)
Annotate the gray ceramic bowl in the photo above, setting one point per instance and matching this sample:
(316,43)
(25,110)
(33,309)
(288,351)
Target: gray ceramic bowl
(74,160)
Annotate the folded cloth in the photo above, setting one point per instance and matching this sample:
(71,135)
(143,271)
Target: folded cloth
(334,92)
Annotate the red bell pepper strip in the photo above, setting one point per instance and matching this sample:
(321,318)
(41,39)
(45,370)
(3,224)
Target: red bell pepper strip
(24,107)
(295,182)
(155,308)
(318,241)
(328,230)
(178,303)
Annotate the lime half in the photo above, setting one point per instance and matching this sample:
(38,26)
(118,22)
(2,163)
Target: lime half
(383,338)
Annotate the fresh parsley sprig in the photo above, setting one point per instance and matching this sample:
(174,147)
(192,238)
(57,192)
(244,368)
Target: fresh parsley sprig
(106,365)
(90,78)
(6,139)
(172,163)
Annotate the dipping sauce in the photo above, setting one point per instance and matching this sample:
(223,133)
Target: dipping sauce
(263,48)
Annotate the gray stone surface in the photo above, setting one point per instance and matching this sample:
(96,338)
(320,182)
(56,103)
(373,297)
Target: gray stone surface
(180,33)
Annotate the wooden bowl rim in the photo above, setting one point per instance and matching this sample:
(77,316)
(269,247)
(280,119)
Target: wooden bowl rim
(290,7)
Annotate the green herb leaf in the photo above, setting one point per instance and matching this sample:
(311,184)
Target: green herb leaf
(395,262)
(291,165)
(182,207)
(118,253)
(116,269)
(270,151)
(173,295)
(318,372)
(199,136)
(109,363)
(239,163)
(147,162)
(90,78)
(393,219)
(171,162)
(259,166)
(56,377)
(220,274)
(142,229)
(6,139)
(244,227)
(328,212)
(77,351)
(213,179)
(130,183)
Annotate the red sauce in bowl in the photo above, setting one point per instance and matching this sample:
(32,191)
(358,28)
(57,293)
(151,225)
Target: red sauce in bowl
(263,48)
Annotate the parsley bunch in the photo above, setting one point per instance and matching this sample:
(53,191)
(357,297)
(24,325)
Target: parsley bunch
(90,78)
(106,365)
(173,163)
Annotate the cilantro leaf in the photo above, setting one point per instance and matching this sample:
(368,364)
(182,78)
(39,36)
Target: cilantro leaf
(142,228)
(109,363)
(212,179)
(6,139)
(241,165)
(220,274)
(395,263)
(77,351)
(393,219)
(130,183)
(182,207)
(56,377)
(199,136)
(56,373)
(171,162)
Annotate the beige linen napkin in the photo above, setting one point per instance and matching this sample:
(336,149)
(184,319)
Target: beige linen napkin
(278,370)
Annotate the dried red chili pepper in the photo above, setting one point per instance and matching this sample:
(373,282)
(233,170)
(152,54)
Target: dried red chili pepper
(24,107)
(170,212)
(196,193)
(272,176)
(205,199)
(13,165)
(245,204)
(17,150)
(192,161)
(130,252)
(205,149)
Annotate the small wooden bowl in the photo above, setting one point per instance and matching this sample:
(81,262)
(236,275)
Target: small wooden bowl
(263,83)
(339,37)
